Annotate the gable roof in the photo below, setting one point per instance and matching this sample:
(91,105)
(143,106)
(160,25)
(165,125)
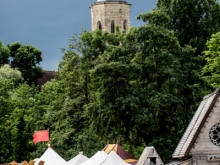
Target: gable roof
(196,125)
(147,153)
(121,152)
(50,157)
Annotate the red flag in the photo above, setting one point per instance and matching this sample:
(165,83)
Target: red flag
(41,136)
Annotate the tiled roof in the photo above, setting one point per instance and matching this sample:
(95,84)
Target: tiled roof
(46,77)
(195,125)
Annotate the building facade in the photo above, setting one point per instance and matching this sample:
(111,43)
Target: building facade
(200,144)
(108,14)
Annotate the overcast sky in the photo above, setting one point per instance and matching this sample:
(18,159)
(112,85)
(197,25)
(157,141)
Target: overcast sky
(48,24)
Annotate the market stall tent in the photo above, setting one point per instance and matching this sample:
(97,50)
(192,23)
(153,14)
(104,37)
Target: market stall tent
(114,159)
(121,152)
(80,158)
(96,159)
(50,157)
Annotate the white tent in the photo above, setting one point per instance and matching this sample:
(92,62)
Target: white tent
(80,158)
(50,157)
(114,159)
(96,159)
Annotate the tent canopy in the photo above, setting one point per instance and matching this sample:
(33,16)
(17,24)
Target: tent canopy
(114,159)
(50,157)
(121,152)
(96,159)
(80,158)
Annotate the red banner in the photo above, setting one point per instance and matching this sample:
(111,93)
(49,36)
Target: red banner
(41,136)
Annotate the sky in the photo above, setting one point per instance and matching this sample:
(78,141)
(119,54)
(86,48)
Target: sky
(48,24)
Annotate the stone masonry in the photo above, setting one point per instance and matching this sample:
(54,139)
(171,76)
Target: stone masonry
(108,12)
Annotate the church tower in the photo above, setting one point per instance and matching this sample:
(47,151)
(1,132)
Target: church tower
(108,14)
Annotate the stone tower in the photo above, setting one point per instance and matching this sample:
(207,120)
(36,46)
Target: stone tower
(107,14)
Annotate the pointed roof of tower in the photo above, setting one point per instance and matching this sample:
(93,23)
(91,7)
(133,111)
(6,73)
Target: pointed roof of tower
(196,125)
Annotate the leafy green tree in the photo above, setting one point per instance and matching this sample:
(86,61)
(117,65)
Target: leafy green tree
(170,81)
(5,109)
(8,80)
(4,54)
(73,76)
(211,71)
(23,98)
(26,59)
(193,21)
(61,107)
(114,98)
(6,72)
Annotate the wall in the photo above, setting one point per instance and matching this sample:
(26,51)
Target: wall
(203,148)
(108,11)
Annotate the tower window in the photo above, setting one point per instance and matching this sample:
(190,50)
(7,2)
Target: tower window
(113,27)
(125,25)
(99,25)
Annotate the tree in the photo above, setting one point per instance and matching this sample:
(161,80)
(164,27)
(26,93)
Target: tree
(211,71)
(4,54)
(21,122)
(9,78)
(193,21)
(60,106)
(113,101)
(6,107)
(73,76)
(26,59)
(171,82)
(6,72)
(130,82)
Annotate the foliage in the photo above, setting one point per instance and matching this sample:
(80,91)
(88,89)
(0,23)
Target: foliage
(61,107)
(21,127)
(26,58)
(6,72)
(211,71)
(8,80)
(4,54)
(113,96)
(137,89)
(171,82)
(193,21)
(6,108)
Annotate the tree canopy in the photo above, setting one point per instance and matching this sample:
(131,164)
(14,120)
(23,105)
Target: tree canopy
(137,89)
(4,54)
(211,70)
(26,58)
(193,21)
